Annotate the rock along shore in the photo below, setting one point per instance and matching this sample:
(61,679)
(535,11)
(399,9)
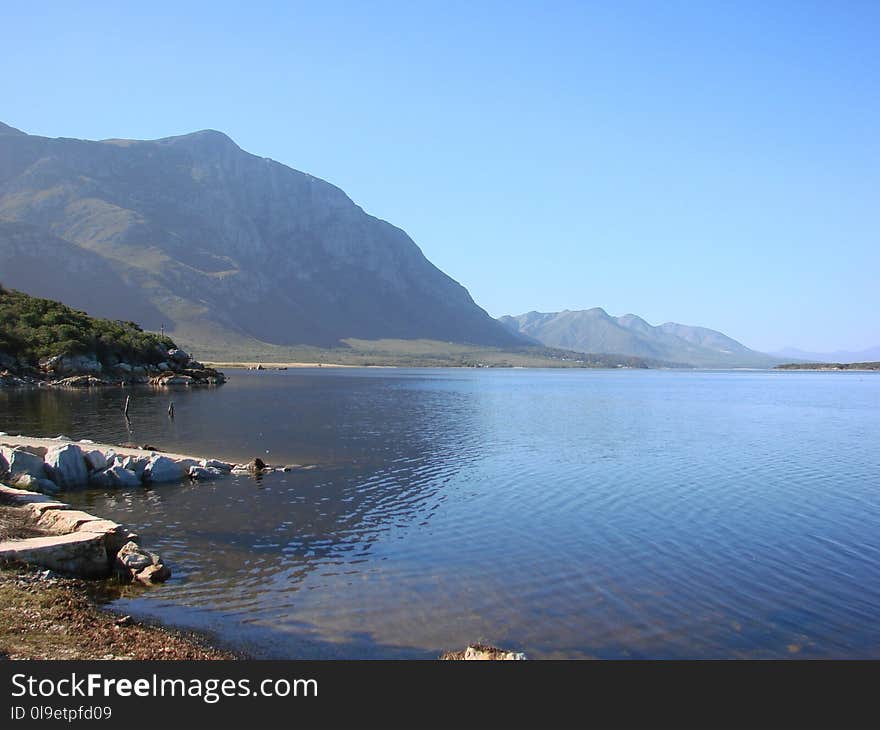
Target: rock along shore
(74,542)
(178,368)
(70,541)
(49,465)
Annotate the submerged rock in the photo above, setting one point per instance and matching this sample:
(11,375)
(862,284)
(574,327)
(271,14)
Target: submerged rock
(135,563)
(205,472)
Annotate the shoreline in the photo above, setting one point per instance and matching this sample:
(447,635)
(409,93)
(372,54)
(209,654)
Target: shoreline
(58,566)
(35,603)
(264,365)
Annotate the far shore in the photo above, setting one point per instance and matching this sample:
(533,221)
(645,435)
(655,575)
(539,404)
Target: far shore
(276,365)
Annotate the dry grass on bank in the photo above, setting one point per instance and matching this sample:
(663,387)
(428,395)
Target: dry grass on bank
(43,616)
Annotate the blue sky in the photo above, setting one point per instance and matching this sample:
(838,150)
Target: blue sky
(712,163)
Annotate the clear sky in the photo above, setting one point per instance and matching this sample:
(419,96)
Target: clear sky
(711,163)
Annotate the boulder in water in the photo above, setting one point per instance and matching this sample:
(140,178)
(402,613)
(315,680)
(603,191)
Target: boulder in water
(66,466)
(162,469)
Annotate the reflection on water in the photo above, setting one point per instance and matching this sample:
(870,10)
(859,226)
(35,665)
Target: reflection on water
(569,514)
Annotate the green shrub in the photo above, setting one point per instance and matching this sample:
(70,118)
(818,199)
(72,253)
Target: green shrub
(32,328)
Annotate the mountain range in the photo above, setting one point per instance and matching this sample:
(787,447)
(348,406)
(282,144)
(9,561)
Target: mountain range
(594,330)
(218,246)
(789,354)
(229,252)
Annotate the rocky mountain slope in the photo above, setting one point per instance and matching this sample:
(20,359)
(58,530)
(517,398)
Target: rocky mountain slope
(217,245)
(594,330)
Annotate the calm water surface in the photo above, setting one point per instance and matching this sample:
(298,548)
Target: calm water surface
(565,513)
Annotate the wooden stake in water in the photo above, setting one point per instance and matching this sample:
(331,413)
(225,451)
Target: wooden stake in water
(127,401)
(171,409)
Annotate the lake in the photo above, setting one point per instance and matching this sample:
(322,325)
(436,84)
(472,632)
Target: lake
(565,513)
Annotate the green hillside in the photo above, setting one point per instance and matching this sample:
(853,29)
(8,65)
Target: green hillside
(32,328)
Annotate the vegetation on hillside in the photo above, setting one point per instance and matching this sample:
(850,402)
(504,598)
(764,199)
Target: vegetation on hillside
(830,366)
(32,328)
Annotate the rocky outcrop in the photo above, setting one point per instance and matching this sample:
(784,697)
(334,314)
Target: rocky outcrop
(241,247)
(77,543)
(179,369)
(70,465)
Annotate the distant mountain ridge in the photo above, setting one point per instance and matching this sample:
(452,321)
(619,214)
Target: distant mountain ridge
(594,330)
(217,244)
(788,354)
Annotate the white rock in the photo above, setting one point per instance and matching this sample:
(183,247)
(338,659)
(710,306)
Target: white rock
(96,460)
(162,469)
(115,476)
(479,653)
(66,466)
(132,557)
(126,477)
(137,465)
(135,563)
(205,472)
(19,461)
(215,464)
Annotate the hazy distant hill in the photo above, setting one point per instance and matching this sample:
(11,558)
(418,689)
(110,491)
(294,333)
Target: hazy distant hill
(791,353)
(594,330)
(219,245)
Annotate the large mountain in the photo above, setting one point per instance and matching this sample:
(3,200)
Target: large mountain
(218,245)
(594,330)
